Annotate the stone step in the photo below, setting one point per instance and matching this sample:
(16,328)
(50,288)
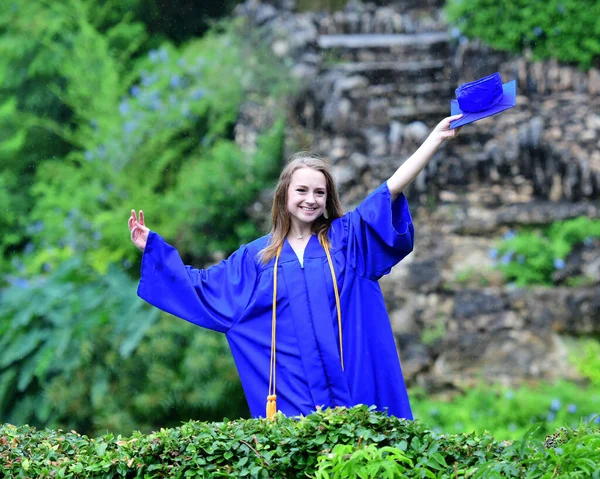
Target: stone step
(381,48)
(418,17)
(396,71)
(439,89)
(381,41)
(408,113)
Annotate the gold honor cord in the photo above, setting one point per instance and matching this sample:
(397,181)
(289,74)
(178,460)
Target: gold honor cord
(271,396)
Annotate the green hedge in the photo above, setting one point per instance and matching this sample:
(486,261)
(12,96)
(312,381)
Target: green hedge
(568,30)
(345,443)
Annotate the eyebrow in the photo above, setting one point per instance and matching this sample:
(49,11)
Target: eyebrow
(317,188)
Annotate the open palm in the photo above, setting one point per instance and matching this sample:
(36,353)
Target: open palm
(138,230)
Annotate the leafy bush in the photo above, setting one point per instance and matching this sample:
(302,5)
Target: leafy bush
(46,67)
(333,443)
(67,326)
(88,355)
(94,129)
(567,30)
(509,413)
(166,148)
(532,256)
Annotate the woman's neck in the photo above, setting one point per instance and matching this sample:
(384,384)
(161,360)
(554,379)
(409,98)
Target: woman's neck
(300,231)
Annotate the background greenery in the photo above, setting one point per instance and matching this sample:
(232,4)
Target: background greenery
(568,30)
(111,105)
(104,107)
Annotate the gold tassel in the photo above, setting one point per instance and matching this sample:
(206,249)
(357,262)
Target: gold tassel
(271,406)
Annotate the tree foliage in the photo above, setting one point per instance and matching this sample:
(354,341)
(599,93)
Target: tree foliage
(99,118)
(568,30)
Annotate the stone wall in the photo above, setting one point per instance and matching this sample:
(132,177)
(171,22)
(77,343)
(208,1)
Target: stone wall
(376,81)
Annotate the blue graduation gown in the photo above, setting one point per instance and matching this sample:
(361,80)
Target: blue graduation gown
(235,297)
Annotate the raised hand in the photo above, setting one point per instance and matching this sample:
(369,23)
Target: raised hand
(138,230)
(443,131)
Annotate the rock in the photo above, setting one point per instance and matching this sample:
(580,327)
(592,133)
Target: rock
(469,304)
(424,276)
(395,136)
(416,132)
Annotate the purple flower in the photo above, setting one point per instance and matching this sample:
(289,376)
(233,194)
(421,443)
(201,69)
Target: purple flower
(156,105)
(129,126)
(20,283)
(507,257)
(135,91)
(493,253)
(550,417)
(572,408)
(37,227)
(175,81)
(559,263)
(148,80)
(124,108)
(538,31)
(88,155)
(197,94)
(555,404)
(521,259)
(163,54)
(153,56)
(510,234)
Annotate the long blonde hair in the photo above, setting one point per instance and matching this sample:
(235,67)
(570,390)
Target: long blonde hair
(280,216)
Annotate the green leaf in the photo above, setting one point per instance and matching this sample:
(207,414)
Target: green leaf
(101,449)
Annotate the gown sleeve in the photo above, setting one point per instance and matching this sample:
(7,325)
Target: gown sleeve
(213,298)
(380,233)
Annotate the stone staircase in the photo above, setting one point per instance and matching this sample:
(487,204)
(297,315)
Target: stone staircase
(377,80)
(402,75)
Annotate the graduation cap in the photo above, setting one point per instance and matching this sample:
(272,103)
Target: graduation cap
(482,98)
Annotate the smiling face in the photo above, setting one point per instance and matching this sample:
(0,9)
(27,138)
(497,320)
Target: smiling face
(307,195)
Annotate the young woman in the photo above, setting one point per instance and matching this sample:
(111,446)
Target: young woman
(301,308)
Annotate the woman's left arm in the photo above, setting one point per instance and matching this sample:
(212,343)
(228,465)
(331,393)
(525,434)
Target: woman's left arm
(409,170)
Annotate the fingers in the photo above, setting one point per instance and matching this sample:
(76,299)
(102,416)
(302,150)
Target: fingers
(455,117)
(133,219)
